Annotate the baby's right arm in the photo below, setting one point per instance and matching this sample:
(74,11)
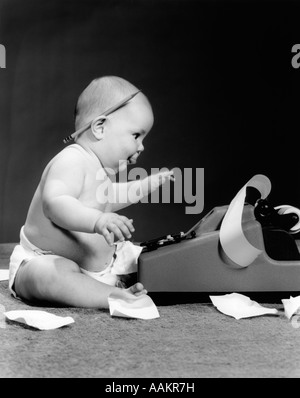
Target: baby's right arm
(63,183)
(134,191)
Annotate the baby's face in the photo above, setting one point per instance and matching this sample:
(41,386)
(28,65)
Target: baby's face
(124,132)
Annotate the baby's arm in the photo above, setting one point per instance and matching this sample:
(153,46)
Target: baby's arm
(133,191)
(62,187)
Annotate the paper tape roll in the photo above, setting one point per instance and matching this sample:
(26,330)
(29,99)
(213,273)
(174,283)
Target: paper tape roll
(287,209)
(232,238)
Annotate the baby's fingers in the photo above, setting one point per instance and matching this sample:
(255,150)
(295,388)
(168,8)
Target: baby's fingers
(116,231)
(107,236)
(128,223)
(124,228)
(167,174)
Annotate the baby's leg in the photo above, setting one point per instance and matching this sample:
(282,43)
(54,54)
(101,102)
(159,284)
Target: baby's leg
(59,280)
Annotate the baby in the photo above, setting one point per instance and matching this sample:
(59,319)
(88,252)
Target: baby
(74,245)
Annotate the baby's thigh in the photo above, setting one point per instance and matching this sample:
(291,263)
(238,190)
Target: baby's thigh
(40,276)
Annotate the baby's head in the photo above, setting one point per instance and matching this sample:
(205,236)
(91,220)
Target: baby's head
(111,137)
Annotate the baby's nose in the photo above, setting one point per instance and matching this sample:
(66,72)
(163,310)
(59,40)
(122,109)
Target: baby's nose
(141,147)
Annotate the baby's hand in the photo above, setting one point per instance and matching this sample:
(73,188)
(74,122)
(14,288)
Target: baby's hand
(160,178)
(120,226)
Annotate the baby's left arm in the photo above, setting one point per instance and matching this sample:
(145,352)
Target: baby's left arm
(133,191)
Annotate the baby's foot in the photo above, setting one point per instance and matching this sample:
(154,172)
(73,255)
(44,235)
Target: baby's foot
(137,289)
(125,281)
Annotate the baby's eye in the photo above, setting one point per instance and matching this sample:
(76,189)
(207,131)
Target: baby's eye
(136,135)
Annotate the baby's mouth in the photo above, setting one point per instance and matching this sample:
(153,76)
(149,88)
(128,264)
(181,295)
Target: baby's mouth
(131,160)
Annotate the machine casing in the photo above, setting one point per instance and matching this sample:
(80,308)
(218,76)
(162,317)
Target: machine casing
(200,265)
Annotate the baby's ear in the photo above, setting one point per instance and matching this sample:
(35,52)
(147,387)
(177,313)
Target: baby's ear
(97,127)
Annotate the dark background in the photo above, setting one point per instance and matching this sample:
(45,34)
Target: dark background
(218,74)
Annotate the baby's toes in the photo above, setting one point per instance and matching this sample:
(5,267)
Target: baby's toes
(138,289)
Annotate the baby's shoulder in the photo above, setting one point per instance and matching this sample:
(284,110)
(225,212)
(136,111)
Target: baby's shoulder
(66,160)
(70,156)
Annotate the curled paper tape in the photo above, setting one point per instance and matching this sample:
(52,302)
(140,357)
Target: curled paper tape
(287,209)
(232,238)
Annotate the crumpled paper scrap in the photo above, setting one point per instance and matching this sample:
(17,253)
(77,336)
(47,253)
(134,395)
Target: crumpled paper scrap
(291,306)
(127,258)
(41,320)
(2,317)
(4,274)
(140,307)
(240,306)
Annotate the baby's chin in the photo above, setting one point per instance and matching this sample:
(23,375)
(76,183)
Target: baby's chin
(117,168)
(123,165)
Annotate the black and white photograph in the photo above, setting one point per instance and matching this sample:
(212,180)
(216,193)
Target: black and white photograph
(149,197)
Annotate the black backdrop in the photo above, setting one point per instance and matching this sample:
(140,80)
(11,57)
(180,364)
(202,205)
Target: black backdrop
(218,74)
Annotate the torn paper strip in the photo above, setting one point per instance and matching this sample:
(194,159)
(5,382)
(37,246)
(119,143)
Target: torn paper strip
(240,306)
(41,320)
(4,274)
(291,306)
(140,307)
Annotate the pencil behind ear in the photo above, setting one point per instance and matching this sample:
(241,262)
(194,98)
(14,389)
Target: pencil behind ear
(97,127)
